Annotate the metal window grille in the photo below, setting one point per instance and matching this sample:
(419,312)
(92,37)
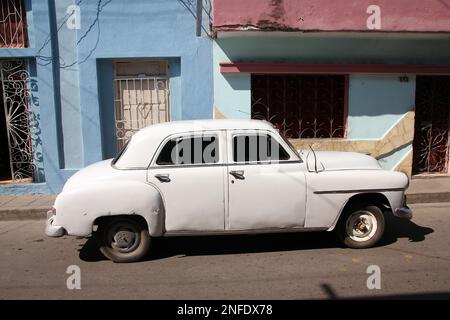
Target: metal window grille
(301,106)
(140,101)
(13,24)
(431,128)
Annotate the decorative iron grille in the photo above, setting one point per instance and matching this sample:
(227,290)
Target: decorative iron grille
(15,81)
(13,24)
(301,106)
(139,102)
(430,148)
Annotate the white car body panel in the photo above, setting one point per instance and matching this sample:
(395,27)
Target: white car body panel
(251,206)
(306,192)
(337,160)
(329,191)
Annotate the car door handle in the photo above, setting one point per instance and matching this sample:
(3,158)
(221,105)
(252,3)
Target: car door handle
(238,174)
(163,177)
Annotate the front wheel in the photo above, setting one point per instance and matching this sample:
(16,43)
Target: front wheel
(361,227)
(123,240)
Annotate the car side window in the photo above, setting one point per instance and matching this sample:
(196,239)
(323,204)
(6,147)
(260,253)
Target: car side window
(189,150)
(257,148)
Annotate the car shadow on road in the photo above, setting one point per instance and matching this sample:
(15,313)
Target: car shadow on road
(238,244)
(397,228)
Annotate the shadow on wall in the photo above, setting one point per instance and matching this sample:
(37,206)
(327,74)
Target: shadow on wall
(237,244)
(257,48)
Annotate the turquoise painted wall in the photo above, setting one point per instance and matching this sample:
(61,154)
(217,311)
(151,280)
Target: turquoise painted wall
(232,92)
(376,103)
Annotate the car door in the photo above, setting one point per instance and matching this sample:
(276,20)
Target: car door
(189,170)
(266,189)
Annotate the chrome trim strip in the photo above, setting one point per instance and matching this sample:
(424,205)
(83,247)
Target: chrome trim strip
(238,232)
(358,190)
(222,164)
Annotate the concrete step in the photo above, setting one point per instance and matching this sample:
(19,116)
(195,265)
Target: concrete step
(429,189)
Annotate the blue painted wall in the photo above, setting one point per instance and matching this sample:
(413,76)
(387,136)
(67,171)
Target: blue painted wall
(141,29)
(75,87)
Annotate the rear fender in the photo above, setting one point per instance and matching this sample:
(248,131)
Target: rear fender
(77,209)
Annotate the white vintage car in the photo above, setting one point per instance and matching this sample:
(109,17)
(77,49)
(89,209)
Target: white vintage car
(224,177)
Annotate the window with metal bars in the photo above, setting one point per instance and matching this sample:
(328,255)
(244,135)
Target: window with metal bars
(13,24)
(301,106)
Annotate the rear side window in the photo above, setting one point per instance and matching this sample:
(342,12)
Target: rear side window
(257,148)
(189,150)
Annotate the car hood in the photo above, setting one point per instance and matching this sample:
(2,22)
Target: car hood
(337,160)
(91,174)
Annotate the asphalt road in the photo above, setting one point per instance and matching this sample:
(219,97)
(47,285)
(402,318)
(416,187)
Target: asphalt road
(414,261)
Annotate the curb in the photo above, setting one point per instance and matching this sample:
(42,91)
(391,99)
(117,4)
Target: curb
(428,197)
(25,213)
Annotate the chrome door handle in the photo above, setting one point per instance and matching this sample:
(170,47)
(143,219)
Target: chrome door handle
(163,177)
(238,174)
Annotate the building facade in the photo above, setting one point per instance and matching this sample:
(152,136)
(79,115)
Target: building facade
(365,76)
(78,78)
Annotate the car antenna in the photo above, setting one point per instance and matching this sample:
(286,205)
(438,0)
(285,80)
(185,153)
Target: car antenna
(315,158)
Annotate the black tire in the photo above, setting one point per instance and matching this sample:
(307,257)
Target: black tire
(360,220)
(123,240)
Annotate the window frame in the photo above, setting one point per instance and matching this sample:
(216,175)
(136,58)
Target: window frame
(193,134)
(293,157)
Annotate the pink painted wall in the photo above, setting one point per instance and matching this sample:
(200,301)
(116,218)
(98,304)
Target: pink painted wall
(329,15)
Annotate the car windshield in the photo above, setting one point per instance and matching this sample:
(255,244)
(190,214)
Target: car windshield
(288,143)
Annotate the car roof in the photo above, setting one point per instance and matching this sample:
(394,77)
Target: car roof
(144,143)
(173,127)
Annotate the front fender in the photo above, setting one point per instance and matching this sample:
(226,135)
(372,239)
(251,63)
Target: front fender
(328,192)
(78,208)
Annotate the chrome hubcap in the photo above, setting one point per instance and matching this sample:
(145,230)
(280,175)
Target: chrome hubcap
(123,237)
(361,226)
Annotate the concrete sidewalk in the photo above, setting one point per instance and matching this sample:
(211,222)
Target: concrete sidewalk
(31,207)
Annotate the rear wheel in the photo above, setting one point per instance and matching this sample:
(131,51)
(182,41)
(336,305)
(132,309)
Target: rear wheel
(361,227)
(123,240)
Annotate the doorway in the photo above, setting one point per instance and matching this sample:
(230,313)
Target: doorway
(5,165)
(431,126)
(17,163)
(141,96)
